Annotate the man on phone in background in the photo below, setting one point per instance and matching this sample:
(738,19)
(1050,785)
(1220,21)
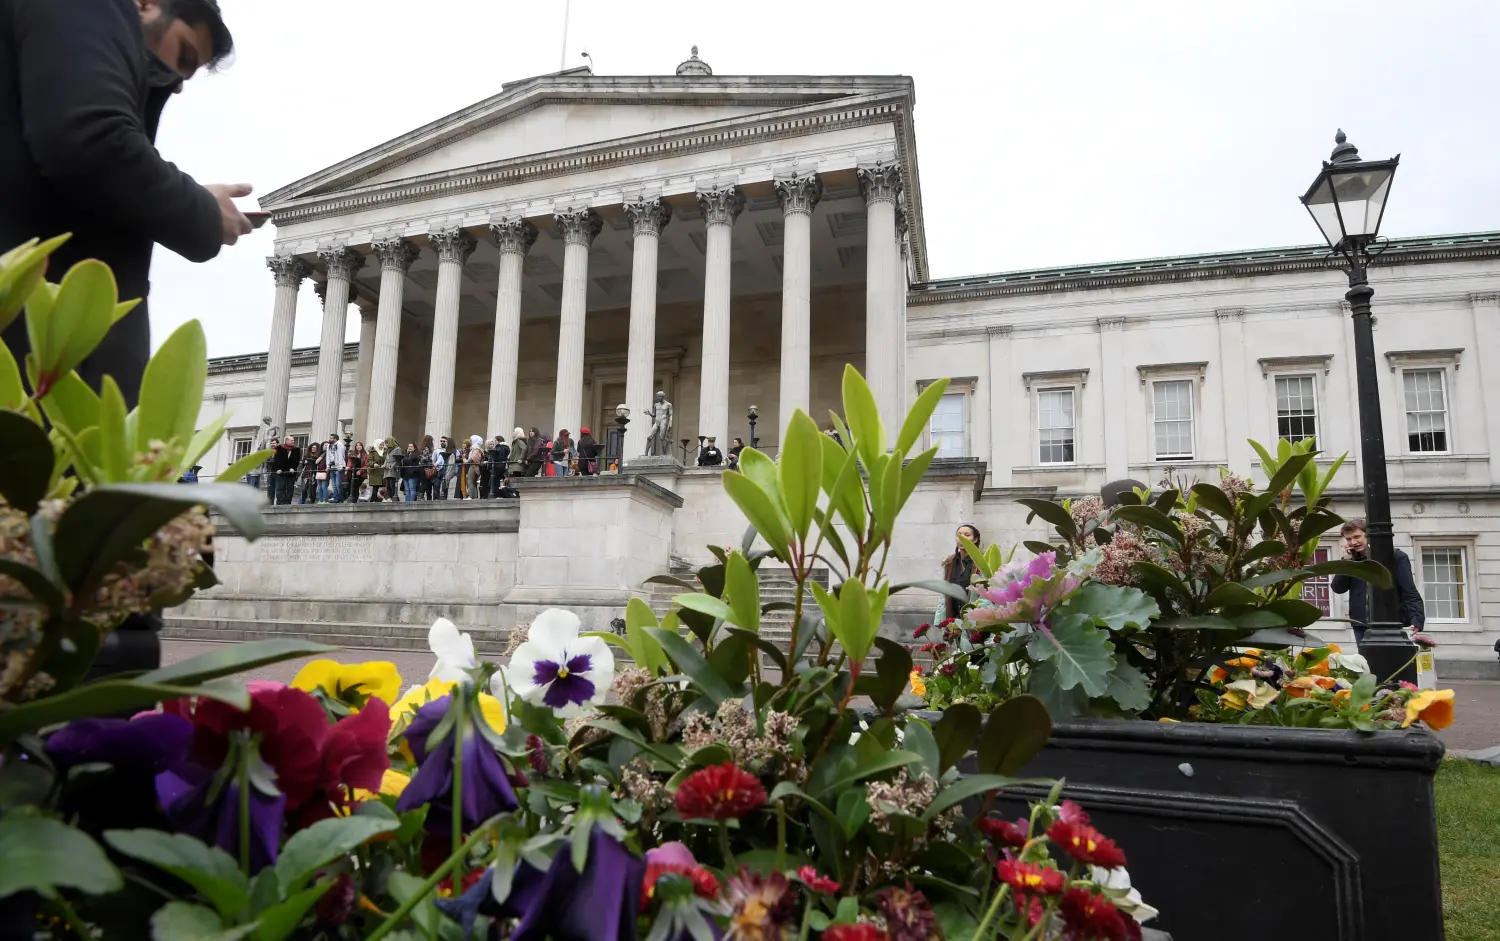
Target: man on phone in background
(82,88)
(1356,547)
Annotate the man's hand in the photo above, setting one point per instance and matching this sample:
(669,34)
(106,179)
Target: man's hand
(235,222)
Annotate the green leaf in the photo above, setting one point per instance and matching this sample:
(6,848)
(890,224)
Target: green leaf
(1214,500)
(705,604)
(43,855)
(1197,622)
(892,672)
(25,461)
(21,272)
(1116,606)
(231,659)
(101,527)
(955,733)
(884,761)
(1052,513)
(1231,593)
(644,649)
(172,388)
(844,486)
(863,417)
(1267,579)
(1016,732)
(1267,462)
(947,589)
(1081,651)
(82,312)
(759,508)
(764,644)
(107,698)
(208,869)
(313,847)
(961,790)
(800,469)
(785,789)
(1281,637)
(744,592)
(912,474)
(205,438)
(1151,518)
(1262,550)
(1043,683)
(1367,569)
(235,472)
(1127,687)
(12,391)
(1298,613)
(1288,472)
(71,405)
(184,921)
(278,921)
(691,662)
(115,451)
(853,811)
(917,418)
(919,739)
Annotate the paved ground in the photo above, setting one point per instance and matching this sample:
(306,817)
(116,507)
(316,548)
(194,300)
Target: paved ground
(1477,702)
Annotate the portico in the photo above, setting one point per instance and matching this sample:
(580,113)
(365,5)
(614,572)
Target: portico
(579,242)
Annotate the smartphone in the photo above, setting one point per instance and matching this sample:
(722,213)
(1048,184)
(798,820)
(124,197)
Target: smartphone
(257,218)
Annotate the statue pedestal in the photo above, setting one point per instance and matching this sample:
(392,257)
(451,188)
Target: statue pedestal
(660,469)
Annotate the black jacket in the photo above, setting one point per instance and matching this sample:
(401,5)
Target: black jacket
(285,460)
(1406,594)
(80,97)
(710,456)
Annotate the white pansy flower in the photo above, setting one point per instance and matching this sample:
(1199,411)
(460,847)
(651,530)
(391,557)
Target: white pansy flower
(1117,880)
(557,668)
(1348,661)
(454,652)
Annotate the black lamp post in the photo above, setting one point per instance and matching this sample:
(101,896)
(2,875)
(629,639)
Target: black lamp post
(754,414)
(622,418)
(1347,201)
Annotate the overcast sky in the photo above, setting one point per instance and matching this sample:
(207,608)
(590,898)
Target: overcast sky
(1048,134)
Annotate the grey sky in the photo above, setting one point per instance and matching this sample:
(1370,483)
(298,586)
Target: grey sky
(1048,134)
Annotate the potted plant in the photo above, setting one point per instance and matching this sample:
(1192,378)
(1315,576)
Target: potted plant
(1186,609)
(704,798)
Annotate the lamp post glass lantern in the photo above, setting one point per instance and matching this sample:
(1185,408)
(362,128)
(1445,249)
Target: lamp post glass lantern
(1347,201)
(754,414)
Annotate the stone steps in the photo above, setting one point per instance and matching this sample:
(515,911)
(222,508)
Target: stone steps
(344,634)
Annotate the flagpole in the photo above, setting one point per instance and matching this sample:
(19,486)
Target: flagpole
(562,59)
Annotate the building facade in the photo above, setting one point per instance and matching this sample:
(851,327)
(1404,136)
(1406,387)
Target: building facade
(580,242)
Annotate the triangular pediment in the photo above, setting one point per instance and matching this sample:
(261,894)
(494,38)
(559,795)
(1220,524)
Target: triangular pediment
(569,110)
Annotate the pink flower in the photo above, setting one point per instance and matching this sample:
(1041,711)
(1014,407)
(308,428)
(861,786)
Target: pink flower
(819,884)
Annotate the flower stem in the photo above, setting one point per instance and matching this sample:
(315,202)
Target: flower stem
(989,915)
(75,924)
(728,853)
(780,836)
(460,729)
(806,920)
(243,778)
(425,889)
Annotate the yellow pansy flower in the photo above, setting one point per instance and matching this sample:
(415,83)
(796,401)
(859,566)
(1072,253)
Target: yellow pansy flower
(918,685)
(418,696)
(1432,706)
(392,783)
(351,683)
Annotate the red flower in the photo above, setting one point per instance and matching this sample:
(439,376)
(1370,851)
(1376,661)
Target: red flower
(355,754)
(1003,832)
(854,933)
(1031,908)
(819,884)
(704,884)
(926,648)
(1090,915)
(947,669)
(1085,844)
(1070,812)
(536,753)
(445,886)
(945,622)
(907,913)
(1030,878)
(922,630)
(976,637)
(292,725)
(719,793)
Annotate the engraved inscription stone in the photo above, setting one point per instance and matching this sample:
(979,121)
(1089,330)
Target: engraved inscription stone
(318,549)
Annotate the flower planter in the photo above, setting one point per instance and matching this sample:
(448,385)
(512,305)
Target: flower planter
(1239,832)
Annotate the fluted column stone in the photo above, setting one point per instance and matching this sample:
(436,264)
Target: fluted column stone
(453,246)
(881,186)
(904,390)
(647,217)
(342,262)
(579,228)
(799,195)
(364,366)
(288,270)
(721,205)
(396,256)
(514,237)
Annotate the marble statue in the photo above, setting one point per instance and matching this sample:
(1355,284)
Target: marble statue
(660,441)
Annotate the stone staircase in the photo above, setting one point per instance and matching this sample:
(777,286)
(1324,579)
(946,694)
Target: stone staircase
(375,625)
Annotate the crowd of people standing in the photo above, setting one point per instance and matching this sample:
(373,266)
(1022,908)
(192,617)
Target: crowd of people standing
(345,471)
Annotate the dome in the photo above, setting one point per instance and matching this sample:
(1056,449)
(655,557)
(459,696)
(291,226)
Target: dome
(694,66)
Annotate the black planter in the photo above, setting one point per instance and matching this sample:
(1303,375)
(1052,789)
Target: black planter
(1237,832)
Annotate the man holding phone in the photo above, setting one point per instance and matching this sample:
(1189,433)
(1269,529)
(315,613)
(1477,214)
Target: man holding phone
(82,88)
(1356,547)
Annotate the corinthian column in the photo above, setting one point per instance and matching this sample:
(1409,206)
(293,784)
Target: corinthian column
(453,246)
(342,263)
(396,256)
(648,217)
(579,227)
(903,389)
(881,186)
(364,366)
(514,238)
(289,270)
(721,205)
(798,195)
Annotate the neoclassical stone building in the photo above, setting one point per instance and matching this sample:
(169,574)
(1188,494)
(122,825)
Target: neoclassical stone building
(578,242)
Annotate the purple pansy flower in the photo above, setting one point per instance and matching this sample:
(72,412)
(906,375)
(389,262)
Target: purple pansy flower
(183,792)
(149,743)
(487,790)
(525,889)
(557,668)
